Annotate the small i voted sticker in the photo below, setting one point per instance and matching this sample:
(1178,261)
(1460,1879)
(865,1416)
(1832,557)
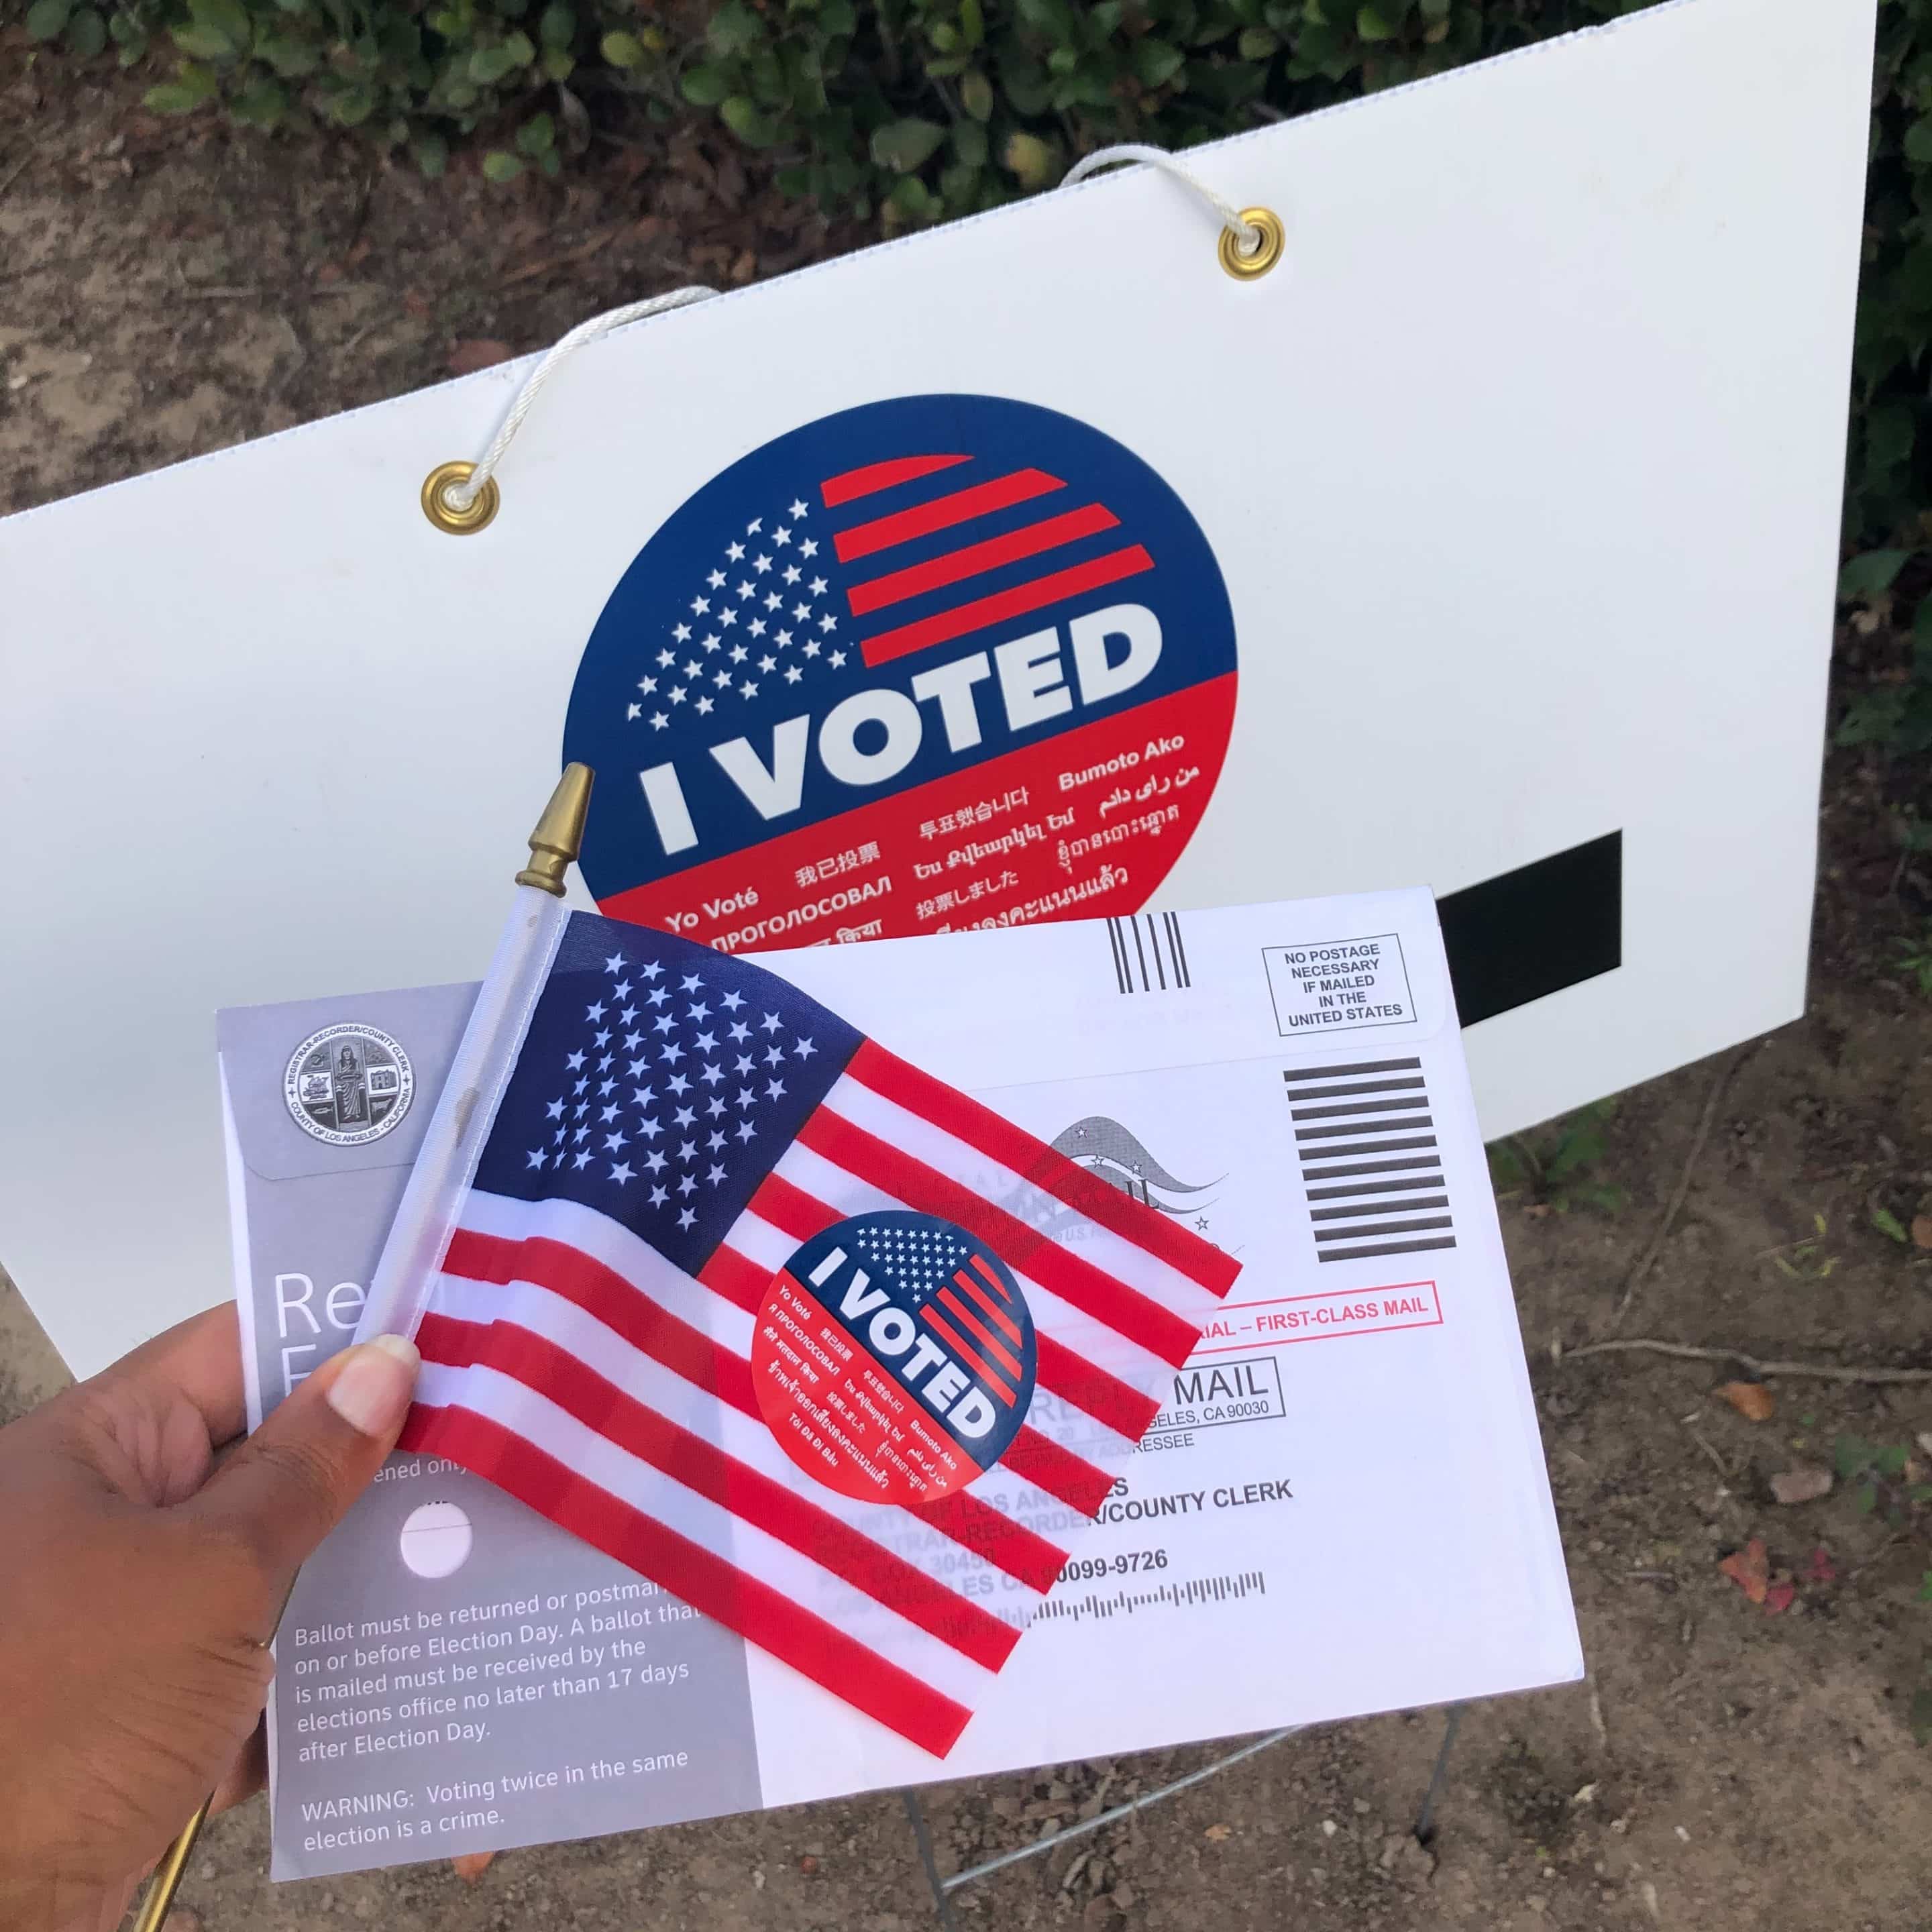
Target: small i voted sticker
(895,1357)
(1340,985)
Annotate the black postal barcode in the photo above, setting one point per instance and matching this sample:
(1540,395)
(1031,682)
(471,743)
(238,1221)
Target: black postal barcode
(1370,1166)
(1150,956)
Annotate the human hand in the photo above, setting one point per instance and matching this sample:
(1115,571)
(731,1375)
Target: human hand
(141,1576)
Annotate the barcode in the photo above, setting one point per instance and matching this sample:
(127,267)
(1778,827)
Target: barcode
(1179,1596)
(1370,1166)
(1149,955)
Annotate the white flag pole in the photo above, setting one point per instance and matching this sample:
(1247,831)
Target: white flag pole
(453,1142)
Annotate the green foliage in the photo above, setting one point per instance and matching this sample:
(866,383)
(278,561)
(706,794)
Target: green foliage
(1880,1476)
(1556,1167)
(414,74)
(913,110)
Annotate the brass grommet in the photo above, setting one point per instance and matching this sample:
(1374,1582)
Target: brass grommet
(448,517)
(1267,253)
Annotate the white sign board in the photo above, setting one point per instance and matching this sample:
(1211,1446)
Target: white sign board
(1497,526)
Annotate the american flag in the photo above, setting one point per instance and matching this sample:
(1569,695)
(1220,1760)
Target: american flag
(688,1151)
(794,593)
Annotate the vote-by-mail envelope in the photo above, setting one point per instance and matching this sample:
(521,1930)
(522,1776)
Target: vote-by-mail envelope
(457,1674)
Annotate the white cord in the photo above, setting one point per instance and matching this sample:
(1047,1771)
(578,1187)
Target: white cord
(1247,236)
(461,496)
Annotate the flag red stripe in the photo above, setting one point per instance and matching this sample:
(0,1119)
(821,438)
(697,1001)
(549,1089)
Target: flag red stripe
(1035,1459)
(1079,1187)
(1020,486)
(1060,1372)
(1105,1397)
(790,1210)
(744,1491)
(711,1586)
(1033,594)
(728,1273)
(1090,1289)
(849,486)
(967,1353)
(955,565)
(604,1294)
(974,1325)
(1007,1545)
(992,1280)
(989,1306)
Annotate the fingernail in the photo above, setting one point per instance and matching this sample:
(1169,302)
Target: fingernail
(371,1390)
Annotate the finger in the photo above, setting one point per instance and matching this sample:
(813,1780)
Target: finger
(199,1360)
(290,1483)
(247,1774)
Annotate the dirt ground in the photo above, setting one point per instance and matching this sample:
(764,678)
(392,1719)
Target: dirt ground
(166,290)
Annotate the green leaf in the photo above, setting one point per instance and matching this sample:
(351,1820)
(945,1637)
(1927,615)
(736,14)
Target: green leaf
(351,106)
(969,146)
(1918,143)
(976,96)
(624,50)
(202,43)
(1029,159)
(499,167)
(432,154)
(262,103)
(86,33)
(291,59)
(557,63)
(1850,1454)
(558,28)
(1889,1224)
(1372,25)
(181,95)
(537,136)
(905,145)
(229,18)
(488,65)
(705,86)
(1873,718)
(1867,1499)
(748,121)
(46,19)
(1257,44)
(1155,61)
(734,29)
(1870,575)
(1920,1717)
(1891,1460)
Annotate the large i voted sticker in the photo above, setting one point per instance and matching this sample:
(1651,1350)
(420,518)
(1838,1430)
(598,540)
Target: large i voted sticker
(894,1358)
(929,664)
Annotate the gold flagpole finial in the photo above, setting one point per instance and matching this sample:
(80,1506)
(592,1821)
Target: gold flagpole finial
(559,837)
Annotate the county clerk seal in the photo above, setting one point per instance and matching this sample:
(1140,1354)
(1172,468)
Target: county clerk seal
(348,1083)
